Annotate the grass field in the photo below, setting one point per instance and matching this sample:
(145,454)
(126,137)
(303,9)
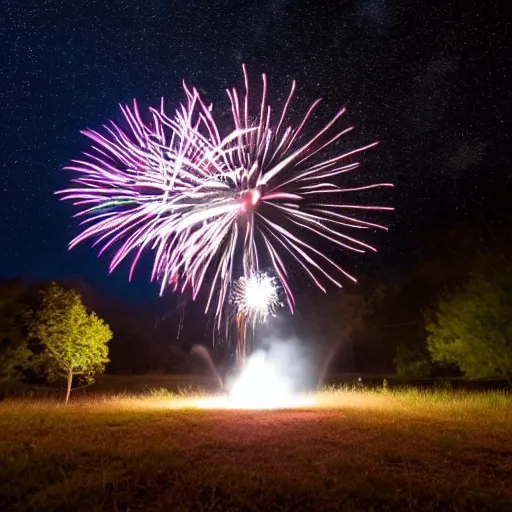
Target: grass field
(358,450)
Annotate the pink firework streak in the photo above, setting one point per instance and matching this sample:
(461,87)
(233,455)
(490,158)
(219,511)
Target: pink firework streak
(219,207)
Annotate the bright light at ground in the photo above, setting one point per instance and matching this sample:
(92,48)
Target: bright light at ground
(259,386)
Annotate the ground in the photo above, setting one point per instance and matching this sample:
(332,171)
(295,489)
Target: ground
(359,450)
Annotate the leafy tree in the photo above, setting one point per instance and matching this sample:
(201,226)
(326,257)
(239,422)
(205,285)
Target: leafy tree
(74,341)
(472,327)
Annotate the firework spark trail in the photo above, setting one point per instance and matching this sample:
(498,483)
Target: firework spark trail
(213,208)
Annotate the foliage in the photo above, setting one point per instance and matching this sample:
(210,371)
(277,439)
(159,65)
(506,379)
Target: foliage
(472,327)
(160,394)
(15,356)
(411,364)
(74,341)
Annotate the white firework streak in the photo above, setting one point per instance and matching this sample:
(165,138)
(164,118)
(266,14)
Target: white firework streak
(212,208)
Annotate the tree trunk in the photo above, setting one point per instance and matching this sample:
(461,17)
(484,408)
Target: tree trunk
(70,380)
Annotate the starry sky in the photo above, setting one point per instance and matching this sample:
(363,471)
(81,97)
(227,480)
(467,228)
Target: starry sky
(430,82)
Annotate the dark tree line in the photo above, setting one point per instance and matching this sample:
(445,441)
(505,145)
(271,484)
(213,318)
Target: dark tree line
(456,303)
(447,314)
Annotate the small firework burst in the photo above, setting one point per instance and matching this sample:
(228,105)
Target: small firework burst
(256,296)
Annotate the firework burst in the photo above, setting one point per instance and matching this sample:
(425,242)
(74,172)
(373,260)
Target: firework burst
(214,208)
(256,296)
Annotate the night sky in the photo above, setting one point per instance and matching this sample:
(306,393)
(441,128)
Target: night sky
(431,83)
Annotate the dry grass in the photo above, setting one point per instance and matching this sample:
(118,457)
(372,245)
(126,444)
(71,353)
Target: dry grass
(358,450)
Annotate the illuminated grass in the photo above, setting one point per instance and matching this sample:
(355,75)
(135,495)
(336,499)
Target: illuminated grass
(396,450)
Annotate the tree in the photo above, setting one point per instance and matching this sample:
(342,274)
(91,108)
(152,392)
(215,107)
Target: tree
(74,341)
(15,355)
(472,327)
(411,363)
